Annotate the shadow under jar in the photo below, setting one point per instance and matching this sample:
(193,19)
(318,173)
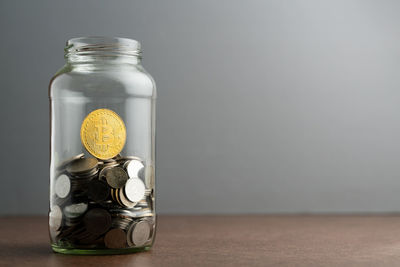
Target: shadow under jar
(102,171)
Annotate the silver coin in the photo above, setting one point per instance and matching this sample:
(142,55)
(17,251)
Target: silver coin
(55,218)
(62,186)
(134,189)
(135,168)
(82,165)
(75,210)
(139,234)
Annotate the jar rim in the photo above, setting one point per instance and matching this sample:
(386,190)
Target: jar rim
(101,45)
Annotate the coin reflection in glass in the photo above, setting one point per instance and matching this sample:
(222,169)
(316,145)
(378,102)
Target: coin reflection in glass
(55,218)
(62,186)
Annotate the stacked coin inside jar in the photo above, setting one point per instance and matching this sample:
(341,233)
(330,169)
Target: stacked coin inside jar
(102,201)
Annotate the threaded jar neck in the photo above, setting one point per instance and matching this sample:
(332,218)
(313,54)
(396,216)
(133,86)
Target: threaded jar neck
(104,49)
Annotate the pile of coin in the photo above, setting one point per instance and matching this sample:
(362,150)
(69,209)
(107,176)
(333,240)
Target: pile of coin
(102,203)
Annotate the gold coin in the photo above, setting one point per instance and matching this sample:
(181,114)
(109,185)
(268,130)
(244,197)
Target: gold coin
(103,133)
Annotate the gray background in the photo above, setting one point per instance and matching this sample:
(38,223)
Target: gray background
(264,106)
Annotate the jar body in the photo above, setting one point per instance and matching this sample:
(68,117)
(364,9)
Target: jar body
(102,195)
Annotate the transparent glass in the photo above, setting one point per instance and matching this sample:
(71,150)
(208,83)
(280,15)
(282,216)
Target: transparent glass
(92,208)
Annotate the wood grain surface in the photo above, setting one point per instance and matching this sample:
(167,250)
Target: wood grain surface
(226,241)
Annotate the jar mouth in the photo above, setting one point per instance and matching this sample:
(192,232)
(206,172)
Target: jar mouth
(102,46)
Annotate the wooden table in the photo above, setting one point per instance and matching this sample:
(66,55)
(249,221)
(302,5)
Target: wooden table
(226,241)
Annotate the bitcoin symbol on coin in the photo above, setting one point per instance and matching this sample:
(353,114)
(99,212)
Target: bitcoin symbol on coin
(103,133)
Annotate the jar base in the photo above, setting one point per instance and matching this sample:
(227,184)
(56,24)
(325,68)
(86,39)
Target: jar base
(78,251)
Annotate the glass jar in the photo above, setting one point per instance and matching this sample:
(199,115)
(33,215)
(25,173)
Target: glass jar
(102,149)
